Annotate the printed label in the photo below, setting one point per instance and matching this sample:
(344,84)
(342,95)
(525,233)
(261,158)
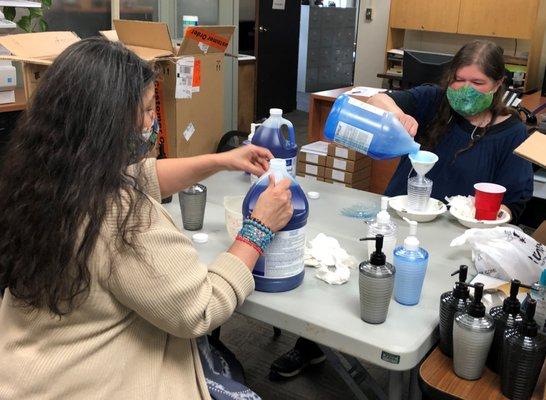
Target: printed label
(353,137)
(366,106)
(291,165)
(278,4)
(184,78)
(338,175)
(389,357)
(340,164)
(160,115)
(343,153)
(196,80)
(203,47)
(284,256)
(188,132)
(311,169)
(206,37)
(311,158)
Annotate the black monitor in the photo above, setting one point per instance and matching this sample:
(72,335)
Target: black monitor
(421,67)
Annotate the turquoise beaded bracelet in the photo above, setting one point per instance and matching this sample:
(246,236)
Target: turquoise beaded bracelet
(257,233)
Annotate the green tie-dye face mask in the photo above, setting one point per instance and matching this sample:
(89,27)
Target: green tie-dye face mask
(468,101)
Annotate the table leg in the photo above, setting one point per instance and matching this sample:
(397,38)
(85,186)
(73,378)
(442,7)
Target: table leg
(395,385)
(414,390)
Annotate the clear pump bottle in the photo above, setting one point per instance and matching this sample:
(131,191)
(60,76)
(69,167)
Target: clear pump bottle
(385,227)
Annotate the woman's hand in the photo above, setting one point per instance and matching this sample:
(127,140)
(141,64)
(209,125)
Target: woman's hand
(274,206)
(408,122)
(248,158)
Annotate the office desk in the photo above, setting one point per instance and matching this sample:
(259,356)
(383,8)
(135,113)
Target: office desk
(440,382)
(330,314)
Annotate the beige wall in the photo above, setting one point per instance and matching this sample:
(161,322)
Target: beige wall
(372,38)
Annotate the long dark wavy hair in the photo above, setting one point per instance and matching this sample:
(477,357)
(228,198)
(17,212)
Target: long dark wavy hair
(65,167)
(489,58)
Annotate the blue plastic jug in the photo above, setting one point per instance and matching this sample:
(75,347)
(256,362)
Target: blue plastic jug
(269,135)
(368,129)
(281,266)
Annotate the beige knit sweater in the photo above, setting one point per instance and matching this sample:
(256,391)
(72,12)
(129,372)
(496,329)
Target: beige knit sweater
(133,336)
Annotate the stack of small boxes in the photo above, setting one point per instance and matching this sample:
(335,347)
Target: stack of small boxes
(347,167)
(312,160)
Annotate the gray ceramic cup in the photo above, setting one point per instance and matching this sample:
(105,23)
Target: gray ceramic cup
(192,205)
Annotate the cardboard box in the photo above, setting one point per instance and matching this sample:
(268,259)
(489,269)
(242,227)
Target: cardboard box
(360,185)
(348,177)
(533,149)
(335,150)
(540,233)
(310,158)
(311,177)
(190,88)
(35,52)
(310,169)
(348,165)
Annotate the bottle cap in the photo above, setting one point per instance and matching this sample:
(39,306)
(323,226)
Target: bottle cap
(200,237)
(377,258)
(313,195)
(411,242)
(476,309)
(275,112)
(383,217)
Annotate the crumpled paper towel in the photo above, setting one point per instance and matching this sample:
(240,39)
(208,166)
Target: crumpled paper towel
(463,204)
(330,259)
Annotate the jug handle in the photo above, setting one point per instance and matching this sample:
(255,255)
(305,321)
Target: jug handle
(291,131)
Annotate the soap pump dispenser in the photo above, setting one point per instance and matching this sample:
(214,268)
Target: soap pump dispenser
(376,281)
(450,303)
(507,319)
(473,332)
(383,225)
(522,358)
(410,262)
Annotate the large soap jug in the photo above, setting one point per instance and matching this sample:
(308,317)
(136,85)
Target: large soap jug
(269,135)
(368,129)
(281,268)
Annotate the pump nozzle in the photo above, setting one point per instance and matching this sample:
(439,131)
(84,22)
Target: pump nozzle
(529,326)
(476,309)
(463,272)
(511,305)
(377,257)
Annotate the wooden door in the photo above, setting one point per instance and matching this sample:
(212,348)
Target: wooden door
(499,18)
(425,15)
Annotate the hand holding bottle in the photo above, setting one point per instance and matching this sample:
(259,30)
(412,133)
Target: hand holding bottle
(408,122)
(274,206)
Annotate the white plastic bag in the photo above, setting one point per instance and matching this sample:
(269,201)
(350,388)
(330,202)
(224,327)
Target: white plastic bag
(505,253)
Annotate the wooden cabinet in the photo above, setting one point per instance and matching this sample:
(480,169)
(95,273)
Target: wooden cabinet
(246,93)
(431,15)
(517,19)
(498,18)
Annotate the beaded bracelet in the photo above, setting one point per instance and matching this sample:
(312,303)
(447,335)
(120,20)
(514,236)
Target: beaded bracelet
(251,244)
(257,233)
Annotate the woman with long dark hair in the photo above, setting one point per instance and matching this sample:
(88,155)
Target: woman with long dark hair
(465,122)
(103,296)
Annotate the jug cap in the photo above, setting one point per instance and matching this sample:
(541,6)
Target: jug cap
(275,112)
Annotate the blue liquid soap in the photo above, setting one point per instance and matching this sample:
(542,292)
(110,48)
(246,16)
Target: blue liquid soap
(281,266)
(269,135)
(368,129)
(410,262)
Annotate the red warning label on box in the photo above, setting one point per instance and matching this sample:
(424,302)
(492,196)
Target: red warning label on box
(207,37)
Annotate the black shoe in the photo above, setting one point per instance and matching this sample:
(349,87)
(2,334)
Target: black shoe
(304,354)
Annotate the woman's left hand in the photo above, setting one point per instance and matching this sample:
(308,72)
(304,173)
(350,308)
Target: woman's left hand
(248,158)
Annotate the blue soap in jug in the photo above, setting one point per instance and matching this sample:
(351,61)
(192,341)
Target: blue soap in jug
(281,266)
(269,135)
(368,129)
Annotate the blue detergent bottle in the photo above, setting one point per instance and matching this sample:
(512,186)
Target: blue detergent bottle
(269,135)
(410,262)
(368,129)
(281,266)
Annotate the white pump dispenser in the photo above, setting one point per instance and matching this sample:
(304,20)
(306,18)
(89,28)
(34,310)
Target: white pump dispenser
(411,242)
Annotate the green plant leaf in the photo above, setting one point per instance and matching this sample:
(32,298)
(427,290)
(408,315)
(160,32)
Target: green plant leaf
(43,25)
(24,23)
(46,3)
(35,12)
(9,13)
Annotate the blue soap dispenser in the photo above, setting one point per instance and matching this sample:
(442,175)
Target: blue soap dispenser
(410,262)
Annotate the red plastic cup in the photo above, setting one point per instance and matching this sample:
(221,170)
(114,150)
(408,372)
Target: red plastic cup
(487,200)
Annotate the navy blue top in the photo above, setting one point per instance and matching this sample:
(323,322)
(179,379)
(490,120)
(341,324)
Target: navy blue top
(491,159)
